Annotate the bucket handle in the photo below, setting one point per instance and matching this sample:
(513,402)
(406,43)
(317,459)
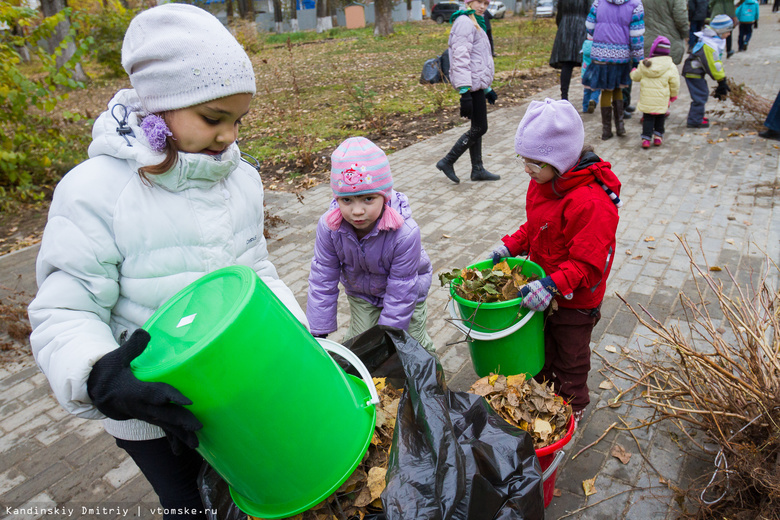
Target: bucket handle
(341,350)
(485,336)
(554,465)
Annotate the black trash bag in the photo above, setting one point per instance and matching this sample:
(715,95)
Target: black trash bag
(215,494)
(453,456)
(436,70)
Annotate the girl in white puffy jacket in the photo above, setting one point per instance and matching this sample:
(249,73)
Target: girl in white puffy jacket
(163,200)
(471,73)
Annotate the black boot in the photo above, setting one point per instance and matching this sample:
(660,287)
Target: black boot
(478,172)
(448,162)
(617,106)
(606,123)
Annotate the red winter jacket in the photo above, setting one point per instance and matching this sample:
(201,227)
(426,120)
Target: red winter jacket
(570,231)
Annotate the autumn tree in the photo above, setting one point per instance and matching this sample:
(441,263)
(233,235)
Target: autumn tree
(383,17)
(324,21)
(294,15)
(278,17)
(60,35)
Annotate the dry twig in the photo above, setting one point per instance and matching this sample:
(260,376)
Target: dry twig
(718,376)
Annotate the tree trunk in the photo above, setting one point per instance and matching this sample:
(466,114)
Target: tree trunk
(50,8)
(229,11)
(278,17)
(383,15)
(294,15)
(250,10)
(324,22)
(332,12)
(408,10)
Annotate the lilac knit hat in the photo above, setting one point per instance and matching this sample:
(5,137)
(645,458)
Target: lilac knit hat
(359,167)
(661,47)
(551,132)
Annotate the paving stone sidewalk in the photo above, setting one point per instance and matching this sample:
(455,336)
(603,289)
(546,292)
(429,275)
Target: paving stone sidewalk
(717,187)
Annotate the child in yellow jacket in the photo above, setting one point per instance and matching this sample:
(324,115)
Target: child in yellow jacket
(659,86)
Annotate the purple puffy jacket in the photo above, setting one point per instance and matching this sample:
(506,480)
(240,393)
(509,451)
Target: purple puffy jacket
(388,269)
(471,61)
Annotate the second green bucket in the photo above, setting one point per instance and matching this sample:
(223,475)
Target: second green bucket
(283,424)
(503,337)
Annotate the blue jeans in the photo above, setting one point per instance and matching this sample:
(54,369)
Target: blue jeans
(745,32)
(773,118)
(699,91)
(587,95)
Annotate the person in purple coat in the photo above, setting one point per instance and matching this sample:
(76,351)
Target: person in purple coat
(471,73)
(617,28)
(368,241)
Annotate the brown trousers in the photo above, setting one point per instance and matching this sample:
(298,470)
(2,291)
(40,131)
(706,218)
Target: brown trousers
(567,353)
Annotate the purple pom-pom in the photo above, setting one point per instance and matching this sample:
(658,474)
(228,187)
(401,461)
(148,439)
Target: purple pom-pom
(156,131)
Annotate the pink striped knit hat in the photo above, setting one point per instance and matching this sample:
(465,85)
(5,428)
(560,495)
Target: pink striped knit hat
(359,167)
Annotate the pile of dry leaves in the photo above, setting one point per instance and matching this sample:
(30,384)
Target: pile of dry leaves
(359,495)
(529,405)
(499,284)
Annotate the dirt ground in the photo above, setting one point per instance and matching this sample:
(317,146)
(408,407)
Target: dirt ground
(23,227)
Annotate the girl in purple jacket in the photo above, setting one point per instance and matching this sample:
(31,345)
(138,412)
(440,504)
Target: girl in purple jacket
(617,28)
(471,73)
(369,242)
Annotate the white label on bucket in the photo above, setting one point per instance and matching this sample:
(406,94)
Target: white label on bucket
(186,320)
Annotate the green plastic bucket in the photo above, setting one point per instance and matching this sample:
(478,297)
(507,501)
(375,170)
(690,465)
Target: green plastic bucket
(503,337)
(283,424)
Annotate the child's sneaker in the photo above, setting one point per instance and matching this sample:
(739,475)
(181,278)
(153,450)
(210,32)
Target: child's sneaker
(658,140)
(577,417)
(645,143)
(703,124)
(591,106)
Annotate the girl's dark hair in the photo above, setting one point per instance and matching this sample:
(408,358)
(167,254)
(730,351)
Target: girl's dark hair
(171,156)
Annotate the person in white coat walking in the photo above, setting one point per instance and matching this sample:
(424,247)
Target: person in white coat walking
(471,73)
(163,199)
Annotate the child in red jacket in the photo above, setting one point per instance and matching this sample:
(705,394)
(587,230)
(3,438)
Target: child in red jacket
(572,217)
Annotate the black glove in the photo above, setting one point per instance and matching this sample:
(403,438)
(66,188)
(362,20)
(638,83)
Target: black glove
(119,395)
(466,105)
(491,97)
(755,25)
(722,90)
(323,336)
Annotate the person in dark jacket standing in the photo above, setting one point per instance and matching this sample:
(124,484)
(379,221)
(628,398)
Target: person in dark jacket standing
(725,7)
(566,55)
(668,18)
(697,13)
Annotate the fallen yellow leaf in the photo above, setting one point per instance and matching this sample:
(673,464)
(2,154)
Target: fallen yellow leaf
(620,453)
(715,268)
(589,486)
(606,385)
(493,378)
(376,481)
(610,348)
(649,239)
(543,428)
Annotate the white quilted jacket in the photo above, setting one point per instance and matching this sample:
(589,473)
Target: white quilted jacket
(116,248)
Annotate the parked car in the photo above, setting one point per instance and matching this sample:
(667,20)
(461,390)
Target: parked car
(545,8)
(497,9)
(442,11)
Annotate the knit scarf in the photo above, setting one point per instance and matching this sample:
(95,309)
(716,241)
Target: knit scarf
(590,168)
(467,12)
